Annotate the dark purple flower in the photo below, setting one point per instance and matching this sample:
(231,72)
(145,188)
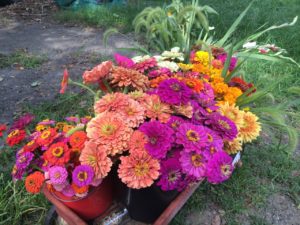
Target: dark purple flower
(22,122)
(174,92)
(171,177)
(223,126)
(160,138)
(123,61)
(83,175)
(24,160)
(219,168)
(160,72)
(233,61)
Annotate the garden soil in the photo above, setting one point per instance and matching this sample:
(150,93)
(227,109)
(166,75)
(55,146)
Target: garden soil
(75,48)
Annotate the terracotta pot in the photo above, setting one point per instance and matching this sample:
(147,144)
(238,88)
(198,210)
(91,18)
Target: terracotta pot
(91,206)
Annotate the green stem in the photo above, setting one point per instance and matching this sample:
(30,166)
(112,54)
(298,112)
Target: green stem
(125,90)
(82,86)
(70,132)
(107,86)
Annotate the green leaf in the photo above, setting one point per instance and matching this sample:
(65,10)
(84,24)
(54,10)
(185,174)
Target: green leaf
(227,64)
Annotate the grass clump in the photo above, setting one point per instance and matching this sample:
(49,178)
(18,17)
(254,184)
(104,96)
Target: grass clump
(21,58)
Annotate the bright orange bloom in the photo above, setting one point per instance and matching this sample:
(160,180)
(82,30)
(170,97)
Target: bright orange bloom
(80,190)
(64,82)
(194,83)
(15,137)
(46,137)
(155,82)
(77,139)
(34,182)
(67,128)
(57,154)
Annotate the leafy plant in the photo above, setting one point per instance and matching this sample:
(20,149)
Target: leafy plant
(173,25)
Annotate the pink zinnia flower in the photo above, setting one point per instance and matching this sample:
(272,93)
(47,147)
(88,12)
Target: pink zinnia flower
(22,122)
(58,175)
(193,164)
(219,168)
(139,170)
(145,65)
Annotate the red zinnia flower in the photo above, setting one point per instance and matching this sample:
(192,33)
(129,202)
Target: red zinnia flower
(2,128)
(15,137)
(57,154)
(34,182)
(77,139)
(46,137)
(64,82)
(30,146)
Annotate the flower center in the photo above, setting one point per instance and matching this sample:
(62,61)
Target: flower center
(156,106)
(225,169)
(46,134)
(210,138)
(192,135)
(14,133)
(224,124)
(153,140)
(82,176)
(91,159)
(212,150)
(108,129)
(197,160)
(141,169)
(130,111)
(172,176)
(58,151)
(190,84)
(22,159)
(175,87)
(175,124)
(57,175)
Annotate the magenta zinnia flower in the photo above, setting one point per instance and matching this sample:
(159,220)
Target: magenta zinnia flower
(215,142)
(171,177)
(23,160)
(159,138)
(123,61)
(192,137)
(223,126)
(193,164)
(22,122)
(233,61)
(175,121)
(83,175)
(160,72)
(174,92)
(219,168)
(58,175)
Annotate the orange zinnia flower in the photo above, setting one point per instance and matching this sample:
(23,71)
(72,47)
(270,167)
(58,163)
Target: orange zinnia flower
(57,154)
(34,182)
(46,137)
(64,82)
(97,73)
(77,139)
(15,137)
(137,141)
(80,190)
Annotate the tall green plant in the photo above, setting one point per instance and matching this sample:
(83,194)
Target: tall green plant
(173,25)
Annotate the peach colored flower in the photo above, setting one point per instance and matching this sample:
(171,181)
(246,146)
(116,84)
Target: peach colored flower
(137,142)
(133,114)
(97,72)
(232,112)
(110,131)
(250,128)
(139,170)
(111,102)
(95,156)
(157,109)
(124,77)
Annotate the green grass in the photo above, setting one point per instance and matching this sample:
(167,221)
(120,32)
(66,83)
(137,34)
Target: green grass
(21,58)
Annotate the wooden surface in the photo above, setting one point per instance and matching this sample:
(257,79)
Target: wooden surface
(165,218)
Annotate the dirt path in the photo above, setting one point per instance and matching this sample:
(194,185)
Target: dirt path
(73,47)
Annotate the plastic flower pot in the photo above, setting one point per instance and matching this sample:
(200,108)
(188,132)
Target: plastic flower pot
(91,206)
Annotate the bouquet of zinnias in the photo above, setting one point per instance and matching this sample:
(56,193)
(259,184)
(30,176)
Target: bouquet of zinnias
(168,122)
(55,153)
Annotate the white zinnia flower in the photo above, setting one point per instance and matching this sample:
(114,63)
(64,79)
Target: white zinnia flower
(170,65)
(249,45)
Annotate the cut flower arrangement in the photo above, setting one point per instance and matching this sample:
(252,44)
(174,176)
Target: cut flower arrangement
(166,122)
